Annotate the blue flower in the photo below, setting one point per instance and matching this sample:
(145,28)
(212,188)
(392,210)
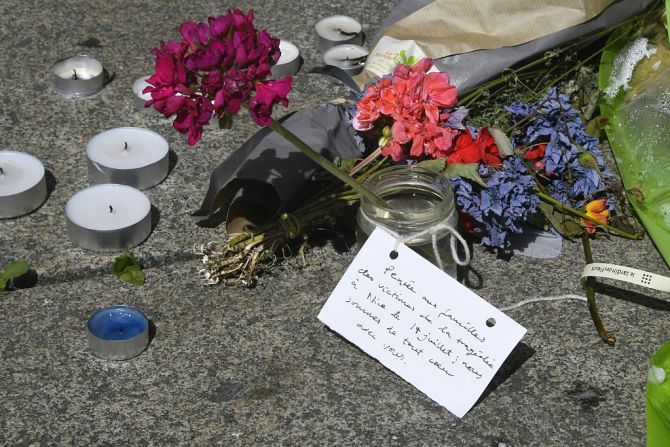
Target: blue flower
(553,120)
(503,206)
(456,117)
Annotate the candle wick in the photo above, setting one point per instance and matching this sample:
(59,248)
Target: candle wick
(358,60)
(346,33)
(125,145)
(111,210)
(74,76)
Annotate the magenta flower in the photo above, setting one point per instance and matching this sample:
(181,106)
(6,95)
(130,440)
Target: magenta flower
(191,118)
(216,68)
(267,95)
(170,79)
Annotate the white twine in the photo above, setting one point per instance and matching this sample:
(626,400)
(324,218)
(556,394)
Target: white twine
(543,298)
(433,232)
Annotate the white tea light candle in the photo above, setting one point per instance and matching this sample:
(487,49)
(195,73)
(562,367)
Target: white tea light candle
(108,217)
(78,76)
(130,156)
(350,58)
(23,185)
(289,61)
(337,30)
(140,98)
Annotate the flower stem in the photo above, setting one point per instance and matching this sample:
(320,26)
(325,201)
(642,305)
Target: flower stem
(366,161)
(326,164)
(607,337)
(567,209)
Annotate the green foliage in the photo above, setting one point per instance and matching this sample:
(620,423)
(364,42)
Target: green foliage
(502,141)
(402,58)
(345,164)
(128,269)
(12,271)
(562,222)
(468,171)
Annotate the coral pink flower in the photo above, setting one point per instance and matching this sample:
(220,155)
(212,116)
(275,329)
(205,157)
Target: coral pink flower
(413,102)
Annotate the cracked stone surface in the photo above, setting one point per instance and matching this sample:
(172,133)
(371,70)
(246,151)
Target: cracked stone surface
(232,366)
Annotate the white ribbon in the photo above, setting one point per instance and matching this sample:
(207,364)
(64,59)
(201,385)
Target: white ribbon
(627,274)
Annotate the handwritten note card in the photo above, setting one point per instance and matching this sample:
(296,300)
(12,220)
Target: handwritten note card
(420,323)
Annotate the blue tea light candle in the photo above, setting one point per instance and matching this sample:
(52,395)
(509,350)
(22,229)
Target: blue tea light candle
(118,332)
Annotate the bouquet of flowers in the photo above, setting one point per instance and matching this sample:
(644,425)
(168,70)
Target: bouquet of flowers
(544,168)
(551,164)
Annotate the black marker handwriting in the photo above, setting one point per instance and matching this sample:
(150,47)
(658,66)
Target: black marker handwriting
(440,367)
(365,274)
(470,329)
(366,330)
(409,285)
(372,316)
(396,296)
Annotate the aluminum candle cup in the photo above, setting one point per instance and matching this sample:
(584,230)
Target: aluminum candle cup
(350,58)
(289,61)
(78,76)
(118,332)
(140,98)
(129,156)
(108,217)
(337,30)
(23,185)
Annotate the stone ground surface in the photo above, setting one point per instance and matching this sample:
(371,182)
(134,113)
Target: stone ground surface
(230,366)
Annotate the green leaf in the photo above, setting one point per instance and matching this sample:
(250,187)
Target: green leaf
(128,269)
(345,164)
(465,170)
(226,121)
(436,164)
(3,283)
(502,141)
(133,275)
(596,125)
(588,161)
(15,269)
(122,262)
(563,223)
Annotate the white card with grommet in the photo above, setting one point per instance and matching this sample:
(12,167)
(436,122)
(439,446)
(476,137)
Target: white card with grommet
(420,323)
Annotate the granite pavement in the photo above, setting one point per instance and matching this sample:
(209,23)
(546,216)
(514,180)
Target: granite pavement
(231,366)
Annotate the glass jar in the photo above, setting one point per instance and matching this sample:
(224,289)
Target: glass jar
(421,199)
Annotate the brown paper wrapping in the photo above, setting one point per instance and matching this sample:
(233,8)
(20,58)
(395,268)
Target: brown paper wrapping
(447,27)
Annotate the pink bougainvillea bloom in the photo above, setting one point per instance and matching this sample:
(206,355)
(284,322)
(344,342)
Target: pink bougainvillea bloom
(267,95)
